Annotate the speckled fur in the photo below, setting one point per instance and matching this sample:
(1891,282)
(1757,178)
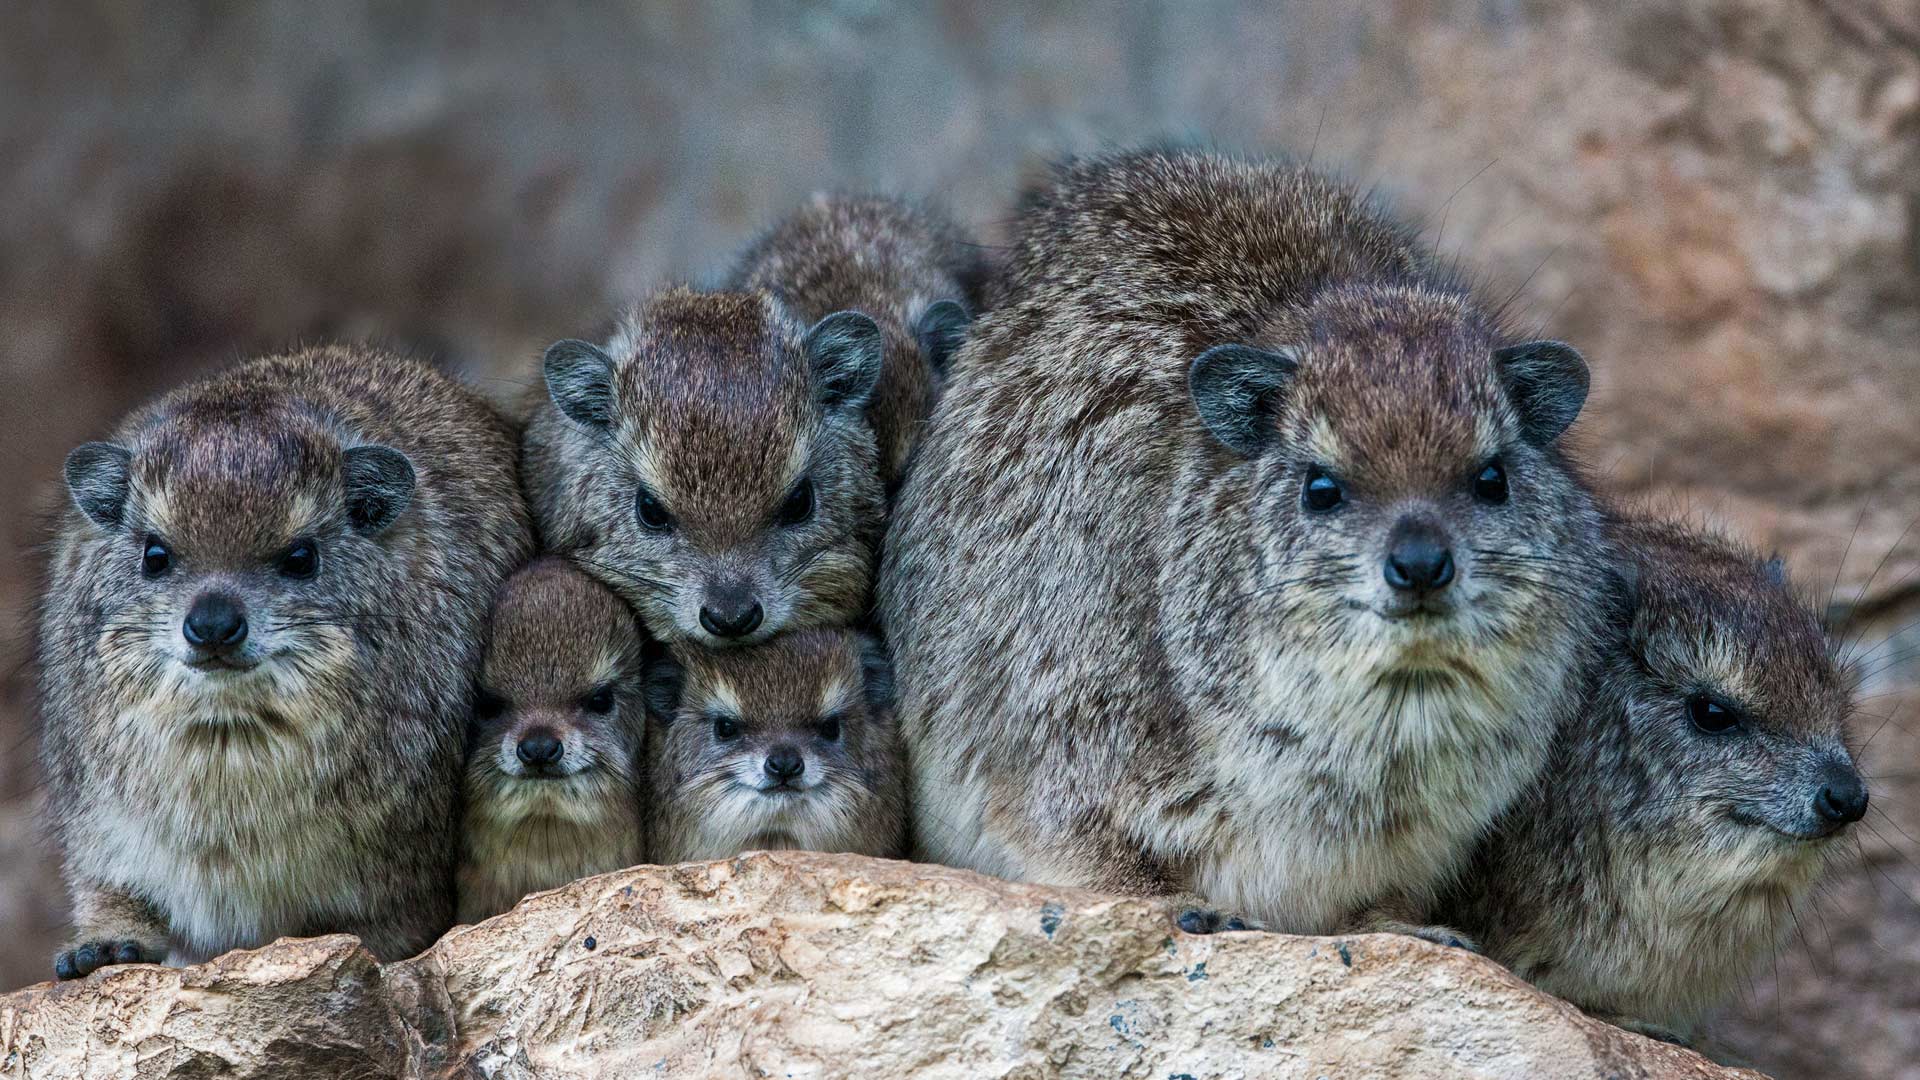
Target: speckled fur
(557,636)
(1128,659)
(707,802)
(316,793)
(1647,872)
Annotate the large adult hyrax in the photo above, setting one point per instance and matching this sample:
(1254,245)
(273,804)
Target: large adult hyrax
(909,267)
(1688,805)
(791,744)
(1240,558)
(257,650)
(555,772)
(714,465)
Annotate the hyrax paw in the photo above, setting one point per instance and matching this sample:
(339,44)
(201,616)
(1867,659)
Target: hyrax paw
(1441,935)
(1209,921)
(89,956)
(1656,1032)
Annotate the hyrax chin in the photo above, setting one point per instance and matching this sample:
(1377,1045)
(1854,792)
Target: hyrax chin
(1241,559)
(257,650)
(909,267)
(714,465)
(555,776)
(791,744)
(1690,803)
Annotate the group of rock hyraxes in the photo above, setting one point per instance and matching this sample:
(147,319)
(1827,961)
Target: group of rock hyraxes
(1225,544)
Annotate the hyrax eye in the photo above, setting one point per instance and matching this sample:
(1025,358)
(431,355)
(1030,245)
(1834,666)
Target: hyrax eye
(1490,483)
(1711,715)
(155,558)
(301,560)
(828,729)
(651,511)
(725,727)
(600,701)
(1320,493)
(488,706)
(797,507)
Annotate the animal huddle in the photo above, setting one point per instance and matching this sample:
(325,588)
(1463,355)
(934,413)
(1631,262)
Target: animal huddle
(1224,546)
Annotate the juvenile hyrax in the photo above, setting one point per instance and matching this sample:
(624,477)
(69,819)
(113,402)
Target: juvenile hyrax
(257,650)
(1240,559)
(910,268)
(791,744)
(555,773)
(1688,805)
(715,465)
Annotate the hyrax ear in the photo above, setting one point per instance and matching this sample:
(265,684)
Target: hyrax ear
(1774,571)
(97,479)
(379,482)
(665,677)
(1238,389)
(1547,383)
(580,382)
(942,330)
(843,351)
(876,668)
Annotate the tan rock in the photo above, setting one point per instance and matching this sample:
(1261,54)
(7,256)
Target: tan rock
(800,965)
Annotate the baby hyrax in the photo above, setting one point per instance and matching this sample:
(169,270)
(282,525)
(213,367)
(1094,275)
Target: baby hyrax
(258,647)
(1688,807)
(714,465)
(555,776)
(790,744)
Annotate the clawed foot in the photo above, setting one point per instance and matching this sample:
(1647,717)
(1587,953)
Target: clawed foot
(1443,935)
(1651,1031)
(1209,921)
(89,956)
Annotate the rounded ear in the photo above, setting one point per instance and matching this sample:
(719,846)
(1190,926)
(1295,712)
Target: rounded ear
(844,352)
(379,482)
(580,382)
(665,677)
(1237,390)
(876,668)
(942,330)
(1547,383)
(96,475)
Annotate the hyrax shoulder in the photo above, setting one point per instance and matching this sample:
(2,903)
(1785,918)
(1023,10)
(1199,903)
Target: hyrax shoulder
(714,465)
(257,650)
(909,267)
(791,744)
(1690,804)
(1241,557)
(556,776)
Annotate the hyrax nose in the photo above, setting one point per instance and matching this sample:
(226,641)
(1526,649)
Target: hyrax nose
(1418,558)
(538,748)
(1842,799)
(731,613)
(215,623)
(785,763)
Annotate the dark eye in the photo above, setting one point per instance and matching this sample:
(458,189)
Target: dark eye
(798,505)
(725,727)
(1711,715)
(600,701)
(487,706)
(301,561)
(1490,484)
(155,559)
(652,512)
(1320,493)
(828,729)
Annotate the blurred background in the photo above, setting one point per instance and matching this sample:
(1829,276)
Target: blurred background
(1718,202)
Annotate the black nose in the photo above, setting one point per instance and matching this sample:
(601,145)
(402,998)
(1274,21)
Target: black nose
(539,748)
(1843,796)
(785,763)
(216,623)
(1418,559)
(731,621)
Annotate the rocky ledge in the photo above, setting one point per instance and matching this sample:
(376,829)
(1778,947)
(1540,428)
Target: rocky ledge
(802,965)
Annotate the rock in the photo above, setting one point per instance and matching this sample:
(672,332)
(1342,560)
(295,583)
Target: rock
(803,965)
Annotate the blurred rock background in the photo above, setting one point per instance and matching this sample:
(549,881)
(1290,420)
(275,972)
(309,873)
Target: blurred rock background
(1719,202)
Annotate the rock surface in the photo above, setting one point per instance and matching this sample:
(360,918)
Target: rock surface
(801,965)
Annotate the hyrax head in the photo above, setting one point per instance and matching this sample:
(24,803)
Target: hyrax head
(735,487)
(1407,485)
(1735,709)
(244,550)
(783,737)
(560,688)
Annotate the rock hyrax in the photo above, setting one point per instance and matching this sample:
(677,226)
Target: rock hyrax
(909,267)
(1688,806)
(791,744)
(1241,557)
(714,465)
(555,773)
(258,647)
